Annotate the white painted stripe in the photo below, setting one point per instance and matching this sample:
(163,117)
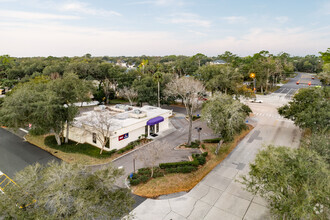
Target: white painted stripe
(24,130)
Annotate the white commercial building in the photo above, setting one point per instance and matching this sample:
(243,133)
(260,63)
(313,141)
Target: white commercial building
(118,125)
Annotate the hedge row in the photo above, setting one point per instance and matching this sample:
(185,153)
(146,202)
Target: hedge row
(178,164)
(129,146)
(214,140)
(183,169)
(199,159)
(144,174)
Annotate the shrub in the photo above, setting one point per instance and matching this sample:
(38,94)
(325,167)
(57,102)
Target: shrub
(182,169)
(205,154)
(37,131)
(129,146)
(134,176)
(144,179)
(186,169)
(158,174)
(112,151)
(194,144)
(213,140)
(178,164)
(203,146)
(145,171)
(246,109)
(134,182)
(195,117)
(201,160)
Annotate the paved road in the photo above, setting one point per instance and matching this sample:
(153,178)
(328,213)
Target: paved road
(290,88)
(218,196)
(16,154)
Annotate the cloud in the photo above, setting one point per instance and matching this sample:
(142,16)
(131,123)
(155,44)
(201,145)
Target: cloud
(84,8)
(296,41)
(282,19)
(63,40)
(198,33)
(40,39)
(190,20)
(174,3)
(235,19)
(23,15)
(325,9)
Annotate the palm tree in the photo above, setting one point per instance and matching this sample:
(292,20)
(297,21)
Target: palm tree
(143,64)
(158,77)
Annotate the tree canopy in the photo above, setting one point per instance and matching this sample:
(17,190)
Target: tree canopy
(46,104)
(65,191)
(295,182)
(309,108)
(225,116)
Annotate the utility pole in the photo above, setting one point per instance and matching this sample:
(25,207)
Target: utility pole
(158,94)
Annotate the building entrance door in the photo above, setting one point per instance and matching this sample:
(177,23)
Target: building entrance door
(152,129)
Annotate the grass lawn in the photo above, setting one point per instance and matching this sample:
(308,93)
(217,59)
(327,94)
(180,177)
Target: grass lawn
(178,182)
(117,101)
(74,147)
(72,153)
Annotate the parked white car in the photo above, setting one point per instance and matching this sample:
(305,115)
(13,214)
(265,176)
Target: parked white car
(256,100)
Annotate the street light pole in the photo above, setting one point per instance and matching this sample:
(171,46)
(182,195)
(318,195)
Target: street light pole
(199,133)
(253,76)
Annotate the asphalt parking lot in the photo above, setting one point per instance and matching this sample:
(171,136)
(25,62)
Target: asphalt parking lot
(16,154)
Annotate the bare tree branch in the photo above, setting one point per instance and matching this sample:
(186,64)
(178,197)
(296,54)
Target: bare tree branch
(128,93)
(190,91)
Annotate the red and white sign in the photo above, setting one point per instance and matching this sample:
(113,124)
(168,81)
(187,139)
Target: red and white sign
(122,137)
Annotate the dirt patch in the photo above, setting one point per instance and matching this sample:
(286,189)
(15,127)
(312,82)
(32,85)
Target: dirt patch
(173,183)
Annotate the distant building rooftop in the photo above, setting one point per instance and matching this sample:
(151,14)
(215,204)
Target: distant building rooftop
(217,62)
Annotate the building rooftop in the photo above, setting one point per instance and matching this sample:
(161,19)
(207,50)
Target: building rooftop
(219,62)
(118,116)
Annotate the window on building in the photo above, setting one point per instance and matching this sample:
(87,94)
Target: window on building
(157,128)
(107,145)
(94,138)
(146,131)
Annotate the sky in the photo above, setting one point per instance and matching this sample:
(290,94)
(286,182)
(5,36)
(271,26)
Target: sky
(163,27)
